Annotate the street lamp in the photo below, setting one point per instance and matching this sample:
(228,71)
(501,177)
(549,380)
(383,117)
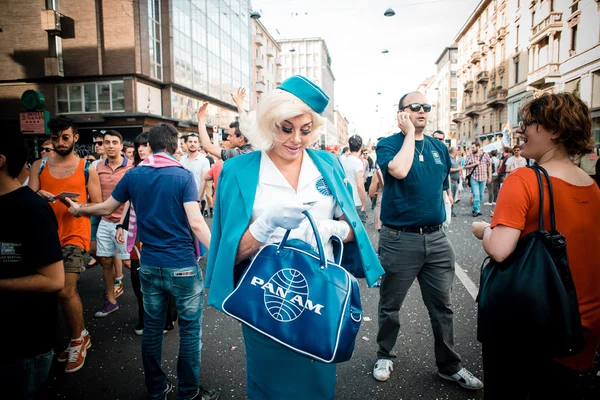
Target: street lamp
(292,50)
(389,12)
(255,15)
(481,43)
(385,51)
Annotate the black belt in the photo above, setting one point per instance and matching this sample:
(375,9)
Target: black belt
(411,229)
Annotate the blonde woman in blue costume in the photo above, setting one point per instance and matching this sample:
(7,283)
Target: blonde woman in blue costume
(272,188)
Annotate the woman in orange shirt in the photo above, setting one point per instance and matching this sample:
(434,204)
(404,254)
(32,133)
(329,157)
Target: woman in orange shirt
(555,128)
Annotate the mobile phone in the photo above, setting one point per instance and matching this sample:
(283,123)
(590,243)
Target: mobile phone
(64,195)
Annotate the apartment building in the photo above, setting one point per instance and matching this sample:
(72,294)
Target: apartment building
(341,124)
(130,65)
(446,90)
(266,62)
(310,57)
(483,73)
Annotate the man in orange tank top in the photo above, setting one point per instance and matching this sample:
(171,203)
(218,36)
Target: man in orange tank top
(65,172)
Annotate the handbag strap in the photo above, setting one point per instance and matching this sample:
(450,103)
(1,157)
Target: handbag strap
(537,169)
(551,195)
(317,237)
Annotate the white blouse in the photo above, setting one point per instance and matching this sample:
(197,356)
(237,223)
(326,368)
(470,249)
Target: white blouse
(274,189)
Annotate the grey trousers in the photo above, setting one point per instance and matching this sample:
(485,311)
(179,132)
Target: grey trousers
(429,258)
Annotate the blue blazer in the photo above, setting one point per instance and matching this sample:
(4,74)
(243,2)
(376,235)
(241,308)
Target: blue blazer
(233,210)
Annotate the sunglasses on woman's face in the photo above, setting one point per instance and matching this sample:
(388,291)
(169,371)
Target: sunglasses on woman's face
(415,107)
(46,149)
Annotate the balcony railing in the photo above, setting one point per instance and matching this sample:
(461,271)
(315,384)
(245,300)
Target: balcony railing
(475,57)
(501,33)
(279,78)
(483,77)
(549,73)
(260,64)
(497,98)
(278,61)
(473,109)
(468,86)
(259,40)
(552,22)
(260,87)
(270,51)
(458,117)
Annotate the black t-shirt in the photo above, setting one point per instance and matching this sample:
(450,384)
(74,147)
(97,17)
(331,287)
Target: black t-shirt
(28,241)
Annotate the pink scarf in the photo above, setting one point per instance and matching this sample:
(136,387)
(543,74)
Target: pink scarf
(160,160)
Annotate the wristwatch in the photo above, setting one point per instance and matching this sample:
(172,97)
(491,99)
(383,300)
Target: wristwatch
(119,226)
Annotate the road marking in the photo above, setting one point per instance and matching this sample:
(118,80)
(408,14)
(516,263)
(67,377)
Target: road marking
(467,282)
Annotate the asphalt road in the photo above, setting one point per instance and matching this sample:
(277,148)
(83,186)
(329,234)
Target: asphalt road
(113,369)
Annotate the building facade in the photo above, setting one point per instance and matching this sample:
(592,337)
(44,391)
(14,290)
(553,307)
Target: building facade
(511,51)
(447,93)
(266,62)
(132,63)
(483,74)
(341,124)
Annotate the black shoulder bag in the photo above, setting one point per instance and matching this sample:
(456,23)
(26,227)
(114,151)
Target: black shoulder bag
(529,301)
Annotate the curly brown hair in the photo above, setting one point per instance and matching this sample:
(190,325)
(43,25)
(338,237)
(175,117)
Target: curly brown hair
(565,114)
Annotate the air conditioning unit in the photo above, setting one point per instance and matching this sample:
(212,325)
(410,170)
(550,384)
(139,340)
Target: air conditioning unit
(53,66)
(51,21)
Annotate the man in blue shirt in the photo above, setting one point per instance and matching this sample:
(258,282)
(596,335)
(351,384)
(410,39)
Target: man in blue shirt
(165,198)
(412,243)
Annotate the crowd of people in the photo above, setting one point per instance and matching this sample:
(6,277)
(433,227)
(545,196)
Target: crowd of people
(142,206)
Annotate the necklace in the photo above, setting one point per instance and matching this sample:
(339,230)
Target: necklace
(421,158)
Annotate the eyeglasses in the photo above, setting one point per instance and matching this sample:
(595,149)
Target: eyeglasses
(417,107)
(440,139)
(191,134)
(99,143)
(524,125)
(46,149)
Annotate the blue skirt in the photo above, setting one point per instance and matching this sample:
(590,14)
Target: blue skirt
(274,372)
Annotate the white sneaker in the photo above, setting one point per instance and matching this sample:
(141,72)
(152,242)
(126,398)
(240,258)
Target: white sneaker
(487,203)
(465,379)
(382,369)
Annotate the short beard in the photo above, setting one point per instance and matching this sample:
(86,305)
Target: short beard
(65,153)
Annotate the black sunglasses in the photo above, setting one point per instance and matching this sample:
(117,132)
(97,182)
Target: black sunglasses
(192,134)
(46,149)
(99,143)
(416,107)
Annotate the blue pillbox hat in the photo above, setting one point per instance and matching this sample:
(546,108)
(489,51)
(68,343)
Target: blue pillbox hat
(306,91)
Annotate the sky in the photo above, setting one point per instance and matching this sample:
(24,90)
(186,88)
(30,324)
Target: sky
(356,31)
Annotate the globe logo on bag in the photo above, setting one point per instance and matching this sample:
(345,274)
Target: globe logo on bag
(286,295)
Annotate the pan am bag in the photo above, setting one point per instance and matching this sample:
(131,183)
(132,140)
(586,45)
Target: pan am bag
(299,299)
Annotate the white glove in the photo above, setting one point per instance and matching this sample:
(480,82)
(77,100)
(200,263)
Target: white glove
(287,215)
(327,228)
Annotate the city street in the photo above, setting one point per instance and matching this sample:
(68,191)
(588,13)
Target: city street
(113,369)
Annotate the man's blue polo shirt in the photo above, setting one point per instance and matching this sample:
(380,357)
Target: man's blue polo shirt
(416,200)
(158,195)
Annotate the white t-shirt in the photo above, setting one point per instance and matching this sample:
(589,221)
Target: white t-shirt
(352,165)
(274,189)
(198,165)
(495,164)
(514,163)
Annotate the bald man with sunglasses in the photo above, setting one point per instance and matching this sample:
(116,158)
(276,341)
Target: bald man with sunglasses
(412,243)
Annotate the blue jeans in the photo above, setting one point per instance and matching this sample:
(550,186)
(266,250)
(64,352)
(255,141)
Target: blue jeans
(186,285)
(477,189)
(22,379)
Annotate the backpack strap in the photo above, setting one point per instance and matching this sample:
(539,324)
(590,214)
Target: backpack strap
(42,165)
(86,171)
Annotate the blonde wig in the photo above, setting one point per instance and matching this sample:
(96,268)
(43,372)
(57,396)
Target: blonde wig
(261,128)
